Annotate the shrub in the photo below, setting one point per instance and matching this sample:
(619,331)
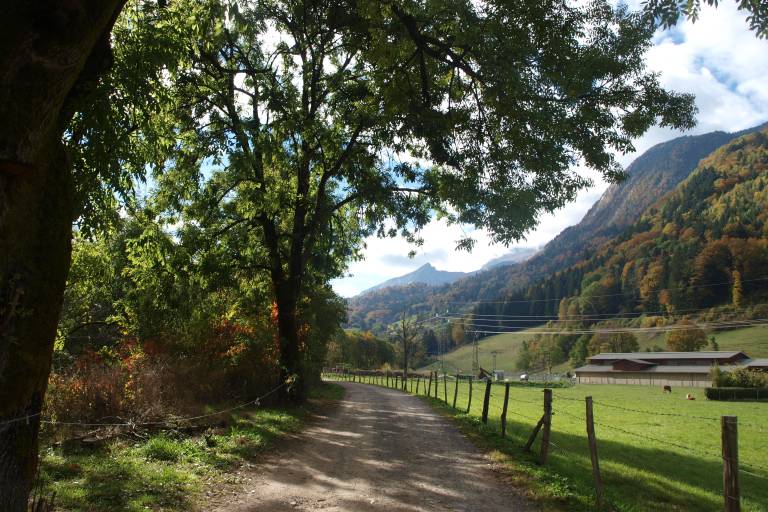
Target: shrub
(153,380)
(745,378)
(741,378)
(732,393)
(96,388)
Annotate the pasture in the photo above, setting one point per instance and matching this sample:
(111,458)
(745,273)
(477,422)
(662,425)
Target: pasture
(657,451)
(751,340)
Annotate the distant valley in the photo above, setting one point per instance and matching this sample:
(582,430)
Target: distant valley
(652,176)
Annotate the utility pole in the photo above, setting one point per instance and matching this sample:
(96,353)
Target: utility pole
(493,354)
(441,355)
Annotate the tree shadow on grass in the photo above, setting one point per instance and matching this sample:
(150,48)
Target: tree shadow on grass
(102,480)
(120,477)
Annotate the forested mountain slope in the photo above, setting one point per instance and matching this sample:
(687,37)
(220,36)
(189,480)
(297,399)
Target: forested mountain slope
(653,174)
(705,244)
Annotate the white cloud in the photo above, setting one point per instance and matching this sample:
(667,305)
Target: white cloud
(717,58)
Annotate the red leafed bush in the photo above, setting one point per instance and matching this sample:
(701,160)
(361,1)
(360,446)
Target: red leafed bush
(159,378)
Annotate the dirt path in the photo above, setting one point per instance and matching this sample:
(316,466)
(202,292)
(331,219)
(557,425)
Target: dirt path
(380,450)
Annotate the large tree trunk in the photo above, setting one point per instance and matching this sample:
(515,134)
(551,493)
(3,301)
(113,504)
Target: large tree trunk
(35,241)
(44,52)
(291,353)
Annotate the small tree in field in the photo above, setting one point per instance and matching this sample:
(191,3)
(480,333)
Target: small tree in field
(687,338)
(524,358)
(613,342)
(407,336)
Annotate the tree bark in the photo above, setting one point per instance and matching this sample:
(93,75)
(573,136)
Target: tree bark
(291,354)
(47,50)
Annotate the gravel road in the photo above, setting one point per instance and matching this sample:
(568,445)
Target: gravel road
(379,450)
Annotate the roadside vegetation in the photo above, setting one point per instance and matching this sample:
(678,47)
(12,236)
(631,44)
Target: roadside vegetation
(170,470)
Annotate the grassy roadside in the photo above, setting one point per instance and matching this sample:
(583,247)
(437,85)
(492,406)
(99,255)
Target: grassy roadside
(170,471)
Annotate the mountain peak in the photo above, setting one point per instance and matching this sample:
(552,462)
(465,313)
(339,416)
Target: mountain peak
(426,274)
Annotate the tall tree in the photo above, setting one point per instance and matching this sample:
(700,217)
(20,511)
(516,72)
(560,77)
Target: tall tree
(51,53)
(293,120)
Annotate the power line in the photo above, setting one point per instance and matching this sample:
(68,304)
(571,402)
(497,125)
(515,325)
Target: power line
(529,301)
(523,329)
(594,316)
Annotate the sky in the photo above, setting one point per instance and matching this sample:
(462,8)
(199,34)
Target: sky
(717,58)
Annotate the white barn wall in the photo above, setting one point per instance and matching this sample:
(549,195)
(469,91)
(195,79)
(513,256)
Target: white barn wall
(680,380)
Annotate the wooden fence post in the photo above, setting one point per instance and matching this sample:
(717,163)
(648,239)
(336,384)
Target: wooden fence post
(387,377)
(486,400)
(504,411)
(445,386)
(730,439)
(429,387)
(593,454)
(469,401)
(456,391)
(547,427)
(418,381)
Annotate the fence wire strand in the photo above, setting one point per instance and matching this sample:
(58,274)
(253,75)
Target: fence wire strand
(167,423)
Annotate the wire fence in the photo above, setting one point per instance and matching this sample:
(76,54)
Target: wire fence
(633,439)
(169,422)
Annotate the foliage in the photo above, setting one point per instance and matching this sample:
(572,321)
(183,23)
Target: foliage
(670,11)
(613,342)
(687,339)
(580,351)
(742,378)
(150,328)
(407,336)
(287,149)
(524,360)
(359,349)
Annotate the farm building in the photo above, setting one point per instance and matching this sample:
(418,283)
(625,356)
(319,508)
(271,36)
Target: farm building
(662,368)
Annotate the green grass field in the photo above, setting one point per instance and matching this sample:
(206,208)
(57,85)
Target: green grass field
(665,455)
(507,346)
(752,340)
